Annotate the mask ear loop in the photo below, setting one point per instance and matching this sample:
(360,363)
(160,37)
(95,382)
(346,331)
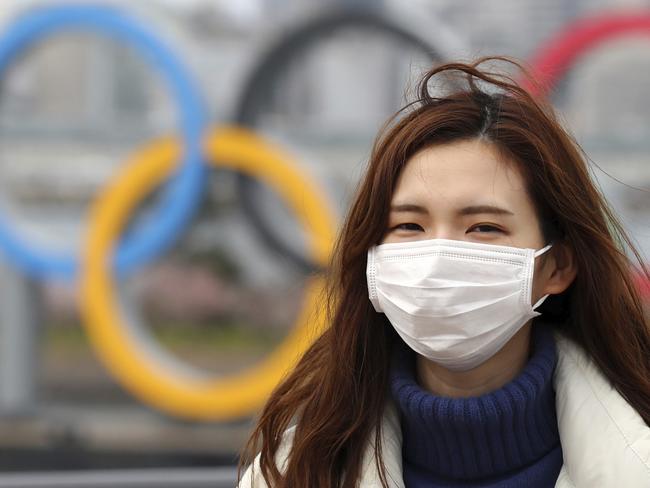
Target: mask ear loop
(536,254)
(540,301)
(543,250)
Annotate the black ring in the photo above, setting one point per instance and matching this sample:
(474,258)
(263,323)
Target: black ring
(277,58)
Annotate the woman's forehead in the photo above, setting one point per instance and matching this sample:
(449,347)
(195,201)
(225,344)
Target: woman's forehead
(469,172)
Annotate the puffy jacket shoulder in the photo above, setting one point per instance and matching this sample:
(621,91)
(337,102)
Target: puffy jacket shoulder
(605,442)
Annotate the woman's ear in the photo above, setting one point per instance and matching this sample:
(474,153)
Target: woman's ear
(561,269)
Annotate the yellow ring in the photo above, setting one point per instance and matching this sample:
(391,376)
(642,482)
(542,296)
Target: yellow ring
(135,367)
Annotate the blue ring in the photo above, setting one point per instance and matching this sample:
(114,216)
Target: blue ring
(181,195)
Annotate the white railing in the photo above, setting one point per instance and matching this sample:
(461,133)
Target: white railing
(118,478)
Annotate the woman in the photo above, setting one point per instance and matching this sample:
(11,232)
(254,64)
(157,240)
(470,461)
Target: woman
(484,325)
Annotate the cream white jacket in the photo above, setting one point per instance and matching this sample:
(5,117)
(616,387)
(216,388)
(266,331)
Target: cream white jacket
(605,442)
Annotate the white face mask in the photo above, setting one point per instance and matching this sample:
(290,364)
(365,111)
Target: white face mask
(454,302)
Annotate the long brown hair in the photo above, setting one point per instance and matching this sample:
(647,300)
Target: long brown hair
(337,392)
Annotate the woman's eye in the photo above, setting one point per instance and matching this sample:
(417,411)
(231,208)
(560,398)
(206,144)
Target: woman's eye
(485,228)
(407,226)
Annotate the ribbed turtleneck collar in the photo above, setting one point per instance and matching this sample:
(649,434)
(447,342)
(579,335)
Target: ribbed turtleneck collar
(472,438)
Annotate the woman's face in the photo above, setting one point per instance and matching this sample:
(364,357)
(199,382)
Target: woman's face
(464,191)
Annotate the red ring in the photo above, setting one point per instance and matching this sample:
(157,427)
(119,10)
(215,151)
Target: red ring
(556,57)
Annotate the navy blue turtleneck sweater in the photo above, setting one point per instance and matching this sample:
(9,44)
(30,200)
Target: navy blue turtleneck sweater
(506,438)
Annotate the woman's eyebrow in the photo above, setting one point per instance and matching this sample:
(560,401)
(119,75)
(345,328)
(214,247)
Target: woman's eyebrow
(409,207)
(471,210)
(484,209)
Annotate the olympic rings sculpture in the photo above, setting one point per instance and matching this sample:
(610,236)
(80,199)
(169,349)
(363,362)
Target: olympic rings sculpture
(137,366)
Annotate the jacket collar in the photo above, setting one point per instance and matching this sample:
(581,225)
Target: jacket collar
(605,442)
